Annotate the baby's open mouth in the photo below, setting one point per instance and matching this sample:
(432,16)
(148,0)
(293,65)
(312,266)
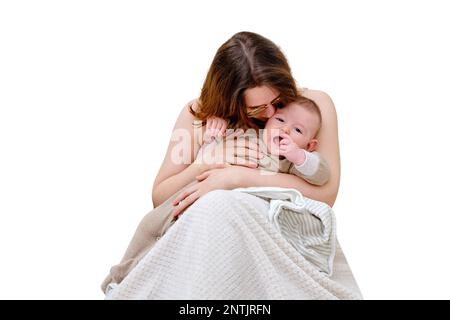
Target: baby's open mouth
(276,140)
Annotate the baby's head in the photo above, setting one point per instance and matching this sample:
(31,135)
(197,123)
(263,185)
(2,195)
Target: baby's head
(300,119)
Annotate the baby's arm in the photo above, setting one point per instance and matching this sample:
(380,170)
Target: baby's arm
(314,168)
(307,165)
(215,128)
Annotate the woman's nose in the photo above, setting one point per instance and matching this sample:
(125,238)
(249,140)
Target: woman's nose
(270,111)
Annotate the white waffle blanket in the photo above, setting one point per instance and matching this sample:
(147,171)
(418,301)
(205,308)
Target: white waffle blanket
(225,247)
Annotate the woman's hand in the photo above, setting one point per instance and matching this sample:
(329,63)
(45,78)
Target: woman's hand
(226,178)
(228,151)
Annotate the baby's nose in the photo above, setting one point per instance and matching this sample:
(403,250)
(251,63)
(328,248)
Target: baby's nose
(285,129)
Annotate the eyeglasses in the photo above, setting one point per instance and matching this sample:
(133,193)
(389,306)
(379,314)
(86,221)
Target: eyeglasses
(256,110)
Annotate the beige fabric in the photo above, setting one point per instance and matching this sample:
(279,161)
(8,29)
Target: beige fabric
(320,176)
(342,273)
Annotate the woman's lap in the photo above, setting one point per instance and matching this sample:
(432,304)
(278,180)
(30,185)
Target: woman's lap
(222,247)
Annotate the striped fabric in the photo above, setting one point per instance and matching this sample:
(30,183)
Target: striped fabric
(308,225)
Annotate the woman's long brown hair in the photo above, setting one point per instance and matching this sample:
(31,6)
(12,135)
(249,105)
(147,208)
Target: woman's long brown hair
(245,61)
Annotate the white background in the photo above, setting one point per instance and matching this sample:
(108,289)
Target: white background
(90,90)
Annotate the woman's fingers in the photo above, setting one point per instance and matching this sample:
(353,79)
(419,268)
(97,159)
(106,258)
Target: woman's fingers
(255,147)
(248,148)
(244,162)
(207,173)
(203,176)
(242,143)
(235,133)
(247,153)
(250,144)
(220,165)
(232,148)
(183,195)
(183,205)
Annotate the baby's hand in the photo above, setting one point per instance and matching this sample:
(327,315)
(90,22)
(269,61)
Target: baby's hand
(215,128)
(290,150)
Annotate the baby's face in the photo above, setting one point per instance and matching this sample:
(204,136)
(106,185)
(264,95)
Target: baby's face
(296,121)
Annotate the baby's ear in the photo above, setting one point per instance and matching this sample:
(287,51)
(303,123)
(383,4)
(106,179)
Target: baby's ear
(312,145)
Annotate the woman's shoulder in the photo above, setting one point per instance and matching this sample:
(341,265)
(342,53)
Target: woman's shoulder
(186,118)
(186,113)
(321,98)
(192,105)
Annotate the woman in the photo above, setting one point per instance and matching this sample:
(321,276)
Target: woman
(248,78)
(248,70)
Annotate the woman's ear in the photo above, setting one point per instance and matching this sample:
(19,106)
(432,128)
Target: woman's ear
(312,145)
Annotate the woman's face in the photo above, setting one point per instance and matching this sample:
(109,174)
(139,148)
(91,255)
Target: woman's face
(258,101)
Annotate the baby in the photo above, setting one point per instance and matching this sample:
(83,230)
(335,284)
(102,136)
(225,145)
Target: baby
(288,142)
(288,145)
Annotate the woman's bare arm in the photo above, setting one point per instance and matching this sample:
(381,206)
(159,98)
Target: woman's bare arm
(173,175)
(328,146)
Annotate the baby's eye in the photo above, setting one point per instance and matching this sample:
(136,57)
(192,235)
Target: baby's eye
(279,119)
(298,130)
